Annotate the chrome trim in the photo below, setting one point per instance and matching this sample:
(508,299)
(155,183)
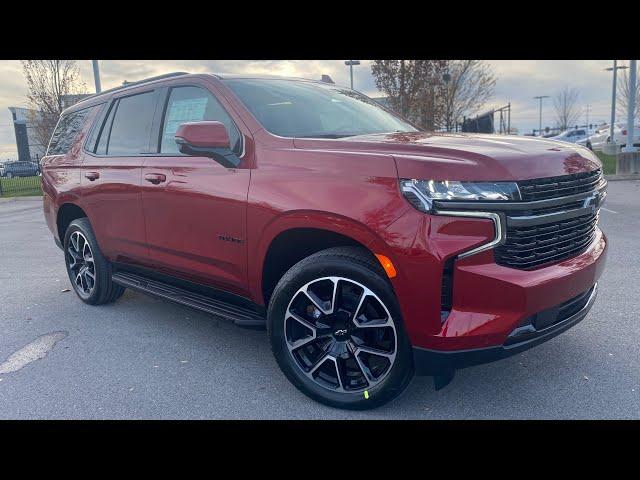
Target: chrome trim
(534,220)
(500,232)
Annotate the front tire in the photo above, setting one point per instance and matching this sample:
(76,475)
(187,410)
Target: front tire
(336,331)
(88,270)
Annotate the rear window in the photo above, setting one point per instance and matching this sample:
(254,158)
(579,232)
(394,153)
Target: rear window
(65,133)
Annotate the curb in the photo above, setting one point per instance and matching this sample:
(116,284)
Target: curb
(20,199)
(614,178)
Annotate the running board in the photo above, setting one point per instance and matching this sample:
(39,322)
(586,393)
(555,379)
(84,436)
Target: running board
(243,317)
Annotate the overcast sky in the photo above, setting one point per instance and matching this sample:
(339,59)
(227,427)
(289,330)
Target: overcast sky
(517,82)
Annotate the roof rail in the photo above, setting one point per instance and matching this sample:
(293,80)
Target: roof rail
(139,82)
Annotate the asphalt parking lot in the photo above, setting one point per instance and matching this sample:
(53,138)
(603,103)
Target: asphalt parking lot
(145,358)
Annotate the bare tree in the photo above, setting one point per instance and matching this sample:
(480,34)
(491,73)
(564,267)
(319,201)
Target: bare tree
(435,93)
(48,82)
(413,87)
(470,86)
(624,92)
(566,105)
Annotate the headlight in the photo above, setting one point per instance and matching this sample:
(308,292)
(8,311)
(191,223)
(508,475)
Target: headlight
(422,193)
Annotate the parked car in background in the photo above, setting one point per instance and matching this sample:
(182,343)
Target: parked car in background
(603,134)
(571,136)
(598,137)
(19,169)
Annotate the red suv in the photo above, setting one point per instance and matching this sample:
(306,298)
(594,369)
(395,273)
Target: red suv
(371,250)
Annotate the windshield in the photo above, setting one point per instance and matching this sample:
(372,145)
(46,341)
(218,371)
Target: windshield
(291,108)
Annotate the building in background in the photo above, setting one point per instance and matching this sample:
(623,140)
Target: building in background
(29,149)
(27,145)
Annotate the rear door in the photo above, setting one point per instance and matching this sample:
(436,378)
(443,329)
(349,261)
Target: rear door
(195,209)
(111,175)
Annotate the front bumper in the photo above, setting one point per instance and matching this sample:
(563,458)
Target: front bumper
(534,330)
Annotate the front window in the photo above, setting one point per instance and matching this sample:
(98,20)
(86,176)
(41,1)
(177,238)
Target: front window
(194,104)
(291,108)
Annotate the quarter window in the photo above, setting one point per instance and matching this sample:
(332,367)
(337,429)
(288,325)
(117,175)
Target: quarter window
(193,104)
(66,131)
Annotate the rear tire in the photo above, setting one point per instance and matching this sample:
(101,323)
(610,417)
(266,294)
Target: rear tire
(88,270)
(336,330)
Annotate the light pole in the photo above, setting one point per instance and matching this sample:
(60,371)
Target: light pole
(350,64)
(588,108)
(614,69)
(96,76)
(631,107)
(540,97)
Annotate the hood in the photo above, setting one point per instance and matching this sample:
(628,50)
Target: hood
(462,156)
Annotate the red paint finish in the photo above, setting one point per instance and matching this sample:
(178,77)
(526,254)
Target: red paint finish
(204,134)
(193,218)
(185,215)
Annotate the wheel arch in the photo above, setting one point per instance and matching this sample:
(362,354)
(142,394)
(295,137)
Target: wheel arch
(67,213)
(291,238)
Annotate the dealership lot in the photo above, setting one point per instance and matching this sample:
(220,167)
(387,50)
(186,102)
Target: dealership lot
(143,357)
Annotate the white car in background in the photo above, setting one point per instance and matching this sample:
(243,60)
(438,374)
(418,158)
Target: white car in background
(602,135)
(572,136)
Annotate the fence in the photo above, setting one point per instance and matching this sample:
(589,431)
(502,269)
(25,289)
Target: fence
(20,186)
(485,123)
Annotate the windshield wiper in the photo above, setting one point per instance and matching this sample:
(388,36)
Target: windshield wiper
(327,135)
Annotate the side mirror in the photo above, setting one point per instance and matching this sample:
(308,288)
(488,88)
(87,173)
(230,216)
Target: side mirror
(208,139)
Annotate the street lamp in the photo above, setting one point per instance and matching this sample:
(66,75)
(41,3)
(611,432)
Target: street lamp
(540,97)
(614,69)
(96,76)
(350,64)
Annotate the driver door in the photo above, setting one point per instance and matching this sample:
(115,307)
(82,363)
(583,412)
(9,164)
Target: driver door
(194,208)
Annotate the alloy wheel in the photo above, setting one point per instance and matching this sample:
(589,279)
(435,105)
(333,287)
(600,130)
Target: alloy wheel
(340,334)
(81,264)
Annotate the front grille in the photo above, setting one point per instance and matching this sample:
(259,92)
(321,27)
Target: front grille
(530,247)
(554,187)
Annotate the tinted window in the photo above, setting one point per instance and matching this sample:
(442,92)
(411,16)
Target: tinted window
(105,129)
(66,131)
(193,104)
(95,131)
(132,125)
(292,108)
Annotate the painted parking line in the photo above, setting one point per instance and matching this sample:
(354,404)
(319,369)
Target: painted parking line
(607,210)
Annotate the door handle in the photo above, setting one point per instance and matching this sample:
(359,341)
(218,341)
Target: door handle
(92,175)
(155,178)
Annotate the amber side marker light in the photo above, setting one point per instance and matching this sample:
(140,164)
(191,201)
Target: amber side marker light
(387,265)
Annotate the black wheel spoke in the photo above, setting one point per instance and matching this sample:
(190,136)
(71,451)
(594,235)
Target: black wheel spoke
(340,334)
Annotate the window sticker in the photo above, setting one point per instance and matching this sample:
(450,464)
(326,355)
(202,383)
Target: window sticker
(181,111)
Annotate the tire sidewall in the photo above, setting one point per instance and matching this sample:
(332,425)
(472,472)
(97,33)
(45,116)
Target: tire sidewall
(301,274)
